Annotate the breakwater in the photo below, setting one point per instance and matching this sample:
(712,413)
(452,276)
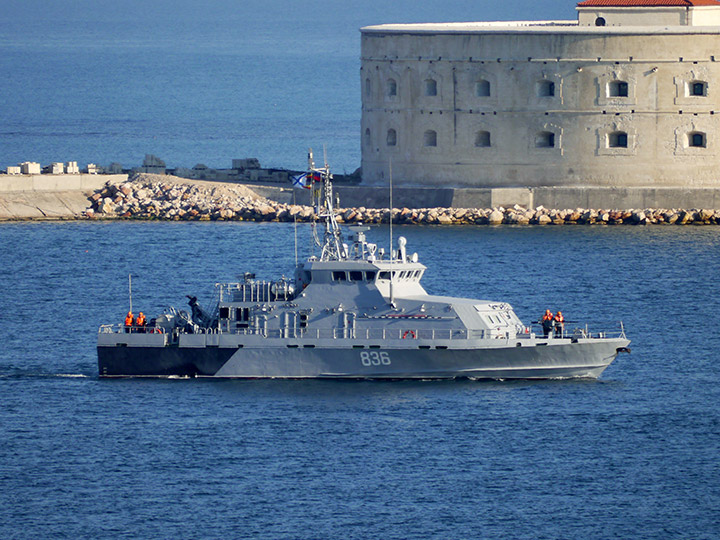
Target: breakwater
(148,196)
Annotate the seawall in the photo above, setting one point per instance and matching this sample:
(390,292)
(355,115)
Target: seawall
(49,196)
(43,197)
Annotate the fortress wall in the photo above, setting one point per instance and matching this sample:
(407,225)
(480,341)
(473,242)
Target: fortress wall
(658,116)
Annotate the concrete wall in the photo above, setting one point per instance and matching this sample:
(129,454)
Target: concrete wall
(53,182)
(47,196)
(637,16)
(658,116)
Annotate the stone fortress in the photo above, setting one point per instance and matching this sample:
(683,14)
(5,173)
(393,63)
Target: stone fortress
(626,97)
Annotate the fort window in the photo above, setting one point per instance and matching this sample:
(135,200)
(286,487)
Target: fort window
(600,21)
(697,139)
(391,88)
(618,139)
(431,87)
(546,89)
(368,88)
(368,140)
(430,138)
(482,88)
(391,137)
(545,139)
(618,89)
(698,88)
(482,139)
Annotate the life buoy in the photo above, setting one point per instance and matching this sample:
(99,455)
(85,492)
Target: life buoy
(409,333)
(157,330)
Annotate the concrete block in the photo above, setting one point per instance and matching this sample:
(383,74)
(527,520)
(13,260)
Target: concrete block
(30,167)
(57,168)
(72,168)
(13,170)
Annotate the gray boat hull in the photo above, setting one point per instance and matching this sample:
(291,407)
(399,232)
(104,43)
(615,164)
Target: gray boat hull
(554,359)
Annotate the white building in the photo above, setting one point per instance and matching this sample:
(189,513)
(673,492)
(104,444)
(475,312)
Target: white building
(628,95)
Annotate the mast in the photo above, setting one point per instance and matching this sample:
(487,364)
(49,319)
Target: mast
(332,245)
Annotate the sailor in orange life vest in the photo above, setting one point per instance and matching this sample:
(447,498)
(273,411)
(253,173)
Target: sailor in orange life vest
(547,322)
(140,322)
(559,324)
(129,320)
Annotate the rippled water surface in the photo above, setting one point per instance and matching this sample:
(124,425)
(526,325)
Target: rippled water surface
(632,455)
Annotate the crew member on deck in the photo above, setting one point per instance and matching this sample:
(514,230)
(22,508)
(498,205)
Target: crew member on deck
(140,322)
(129,320)
(559,324)
(547,322)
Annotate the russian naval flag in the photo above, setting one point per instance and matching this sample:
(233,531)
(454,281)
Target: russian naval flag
(302,180)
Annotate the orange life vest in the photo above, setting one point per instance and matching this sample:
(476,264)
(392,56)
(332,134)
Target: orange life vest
(129,320)
(559,318)
(140,321)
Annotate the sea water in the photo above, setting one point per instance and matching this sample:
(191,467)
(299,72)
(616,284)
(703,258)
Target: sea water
(631,455)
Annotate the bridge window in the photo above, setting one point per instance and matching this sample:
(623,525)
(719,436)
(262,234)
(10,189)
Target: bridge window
(618,139)
(370,276)
(356,276)
(618,89)
(430,138)
(482,139)
(339,276)
(384,275)
(545,139)
(430,87)
(482,88)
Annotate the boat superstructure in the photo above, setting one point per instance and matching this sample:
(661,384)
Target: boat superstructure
(353,311)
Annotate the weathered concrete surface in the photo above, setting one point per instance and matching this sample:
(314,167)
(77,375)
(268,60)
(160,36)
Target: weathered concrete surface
(49,196)
(21,205)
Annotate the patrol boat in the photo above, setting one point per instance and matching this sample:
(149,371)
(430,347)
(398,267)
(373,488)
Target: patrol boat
(353,312)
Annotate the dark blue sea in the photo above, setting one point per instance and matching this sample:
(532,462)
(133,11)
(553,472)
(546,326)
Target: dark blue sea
(633,455)
(192,82)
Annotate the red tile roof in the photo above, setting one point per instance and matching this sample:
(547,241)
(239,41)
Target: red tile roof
(649,3)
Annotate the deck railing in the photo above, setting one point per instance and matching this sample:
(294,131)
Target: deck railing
(371,334)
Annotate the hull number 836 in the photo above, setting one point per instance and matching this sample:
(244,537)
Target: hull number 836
(374,358)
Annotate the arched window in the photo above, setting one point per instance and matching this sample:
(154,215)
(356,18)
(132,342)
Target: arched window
(617,139)
(600,21)
(482,139)
(546,89)
(545,139)
(368,88)
(391,137)
(697,88)
(430,138)
(391,88)
(430,87)
(482,88)
(618,89)
(368,139)
(697,139)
